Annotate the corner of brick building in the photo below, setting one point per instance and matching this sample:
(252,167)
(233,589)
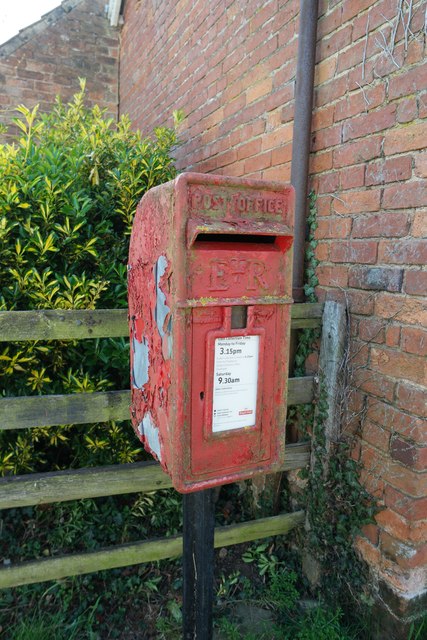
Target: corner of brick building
(47,58)
(369,171)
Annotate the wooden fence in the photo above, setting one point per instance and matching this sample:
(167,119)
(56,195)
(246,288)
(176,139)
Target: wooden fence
(44,488)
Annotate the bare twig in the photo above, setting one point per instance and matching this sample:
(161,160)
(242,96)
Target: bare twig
(386,49)
(365,97)
(406,25)
(365,47)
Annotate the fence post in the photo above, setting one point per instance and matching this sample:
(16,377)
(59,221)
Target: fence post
(331,377)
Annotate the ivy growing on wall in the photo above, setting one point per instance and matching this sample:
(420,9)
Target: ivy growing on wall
(336,503)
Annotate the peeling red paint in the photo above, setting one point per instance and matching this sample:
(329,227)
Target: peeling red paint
(201,245)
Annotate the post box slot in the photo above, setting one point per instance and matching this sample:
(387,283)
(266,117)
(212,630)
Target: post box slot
(273,235)
(235,238)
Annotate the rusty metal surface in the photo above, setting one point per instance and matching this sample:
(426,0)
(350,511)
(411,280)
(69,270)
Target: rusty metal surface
(201,245)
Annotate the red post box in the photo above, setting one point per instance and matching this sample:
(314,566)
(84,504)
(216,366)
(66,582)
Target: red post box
(209,280)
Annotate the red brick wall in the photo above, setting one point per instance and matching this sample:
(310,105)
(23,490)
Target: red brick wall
(230,66)
(75,40)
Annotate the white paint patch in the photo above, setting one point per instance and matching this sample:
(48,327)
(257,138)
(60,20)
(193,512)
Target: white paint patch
(150,432)
(162,310)
(141,363)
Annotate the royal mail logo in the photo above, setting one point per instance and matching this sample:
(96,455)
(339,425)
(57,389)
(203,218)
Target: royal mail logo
(236,271)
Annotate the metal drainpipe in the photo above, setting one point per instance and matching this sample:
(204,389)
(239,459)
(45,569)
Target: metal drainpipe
(304,85)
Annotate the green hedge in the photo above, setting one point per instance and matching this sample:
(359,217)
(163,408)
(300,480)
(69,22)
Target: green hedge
(69,185)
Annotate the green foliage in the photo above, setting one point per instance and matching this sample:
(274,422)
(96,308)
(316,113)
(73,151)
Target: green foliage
(161,510)
(418,629)
(295,619)
(337,505)
(261,554)
(319,623)
(69,186)
(282,593)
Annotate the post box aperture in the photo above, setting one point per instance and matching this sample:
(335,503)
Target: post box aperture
(209,280)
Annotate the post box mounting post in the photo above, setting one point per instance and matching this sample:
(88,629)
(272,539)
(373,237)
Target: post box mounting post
(198,564)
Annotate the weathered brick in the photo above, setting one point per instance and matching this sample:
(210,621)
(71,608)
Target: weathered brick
(392,335)
(394,419)
(325,138)
(330,91)
(381,225)
(419,224)
(322,252)
(405,479)
(415,283)
(357,251)
(408,453)
(398,364)
(325,70)
(256,163)
(373,463)
(372,330)
(411,398)
(333,227)
(406,555)
(249,149)
(334,43)
(328,23)
(368,551)
(376,435)
(350,10)
(321,162)
(375,383)
(361,201)
(408,138)
(371,532)
(369,123)
(405,195)
(408,507)
(332,276)
(408,81)
(323,118)
(359,101)
(400,527)
(323,203)
(328,182)
(401,308)
(408,251)
(376,278)
(389,170)
(421,165)
(407,110)
(277,138)
(281,154)
(414,340)
(259,90)
(352,177)
(361,302)
(357,152)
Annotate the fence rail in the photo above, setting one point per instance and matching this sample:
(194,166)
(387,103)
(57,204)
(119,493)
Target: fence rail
(26,412)
(33,411)
(60,486)
(58,324)
(144,551)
